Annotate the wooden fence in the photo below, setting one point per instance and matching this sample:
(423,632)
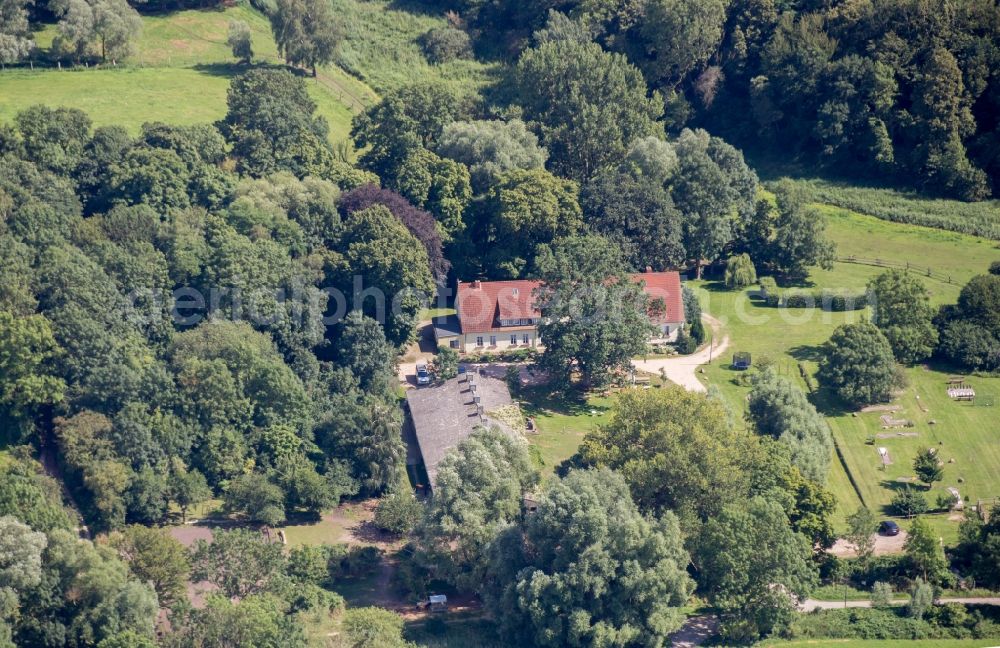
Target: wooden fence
(922,271)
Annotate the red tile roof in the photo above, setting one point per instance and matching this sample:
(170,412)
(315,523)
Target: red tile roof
(665,286)
(482,304)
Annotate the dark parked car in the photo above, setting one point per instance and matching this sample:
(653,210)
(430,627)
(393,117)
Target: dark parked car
(889,528)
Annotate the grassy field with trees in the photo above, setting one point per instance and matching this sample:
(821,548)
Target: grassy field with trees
(789,339)
(179,74)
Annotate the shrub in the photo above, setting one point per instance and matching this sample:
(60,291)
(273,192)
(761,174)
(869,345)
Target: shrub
(697,332)
(921,599)
(444,44)
(309,596)
(826,300)
(446,365)
(361,561)
(908,502)
(881,595)
(685,343)
(512,376)
(950,615)
(398,513)
(769,291)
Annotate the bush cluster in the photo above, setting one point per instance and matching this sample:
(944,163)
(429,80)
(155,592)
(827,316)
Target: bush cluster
(951,621)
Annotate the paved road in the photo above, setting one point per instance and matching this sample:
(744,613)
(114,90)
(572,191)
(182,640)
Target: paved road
(810,604)
(683,370)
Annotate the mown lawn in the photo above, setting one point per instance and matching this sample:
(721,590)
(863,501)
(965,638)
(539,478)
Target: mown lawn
(789,337)
(965,435)
(562,424)
(179,75)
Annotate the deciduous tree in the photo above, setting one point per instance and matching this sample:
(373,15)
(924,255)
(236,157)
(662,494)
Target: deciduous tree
(588,568)
(755,591)
(478,492)
(523,210)
(240,40)
(858,364)
(924,550)
(491,149)
(861,528)
(901,308)
(633,209)
(927,466)
(240,562)
(155,557)
(589,104)
(307,32)
(676,450)
(777,408)
(594,317)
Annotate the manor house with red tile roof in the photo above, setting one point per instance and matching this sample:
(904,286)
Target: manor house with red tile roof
(502,315)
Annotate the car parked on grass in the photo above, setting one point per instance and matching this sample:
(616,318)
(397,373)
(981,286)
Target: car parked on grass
(423,376)
(889,528)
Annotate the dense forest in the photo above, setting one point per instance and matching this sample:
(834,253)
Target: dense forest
(868,88)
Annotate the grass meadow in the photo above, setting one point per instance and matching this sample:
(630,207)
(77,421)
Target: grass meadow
(979,218)
(787,338)
(179,75)
(382,45)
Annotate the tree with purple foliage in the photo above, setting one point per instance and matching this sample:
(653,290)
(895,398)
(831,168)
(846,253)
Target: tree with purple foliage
(420,223)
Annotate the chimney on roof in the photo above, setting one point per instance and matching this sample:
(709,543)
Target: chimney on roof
(649,269)
(477,284)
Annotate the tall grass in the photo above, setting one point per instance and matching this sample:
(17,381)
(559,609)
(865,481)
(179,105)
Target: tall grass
(381,46)
(980,219)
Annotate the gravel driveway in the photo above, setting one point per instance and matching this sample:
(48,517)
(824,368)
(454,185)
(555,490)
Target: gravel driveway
(683,370)
(883,545)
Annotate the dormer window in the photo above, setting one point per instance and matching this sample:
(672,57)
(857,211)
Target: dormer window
(514,291)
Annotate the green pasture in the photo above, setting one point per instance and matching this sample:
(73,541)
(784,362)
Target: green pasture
(787,337)
(382,45)
(179,75)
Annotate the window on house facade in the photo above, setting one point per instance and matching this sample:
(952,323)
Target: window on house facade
(527,338)
(479,341)
(527,321)
(493,340)
(513,339)
(453,344)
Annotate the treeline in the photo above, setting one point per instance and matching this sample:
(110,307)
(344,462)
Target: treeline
(178,322)
(906,90)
